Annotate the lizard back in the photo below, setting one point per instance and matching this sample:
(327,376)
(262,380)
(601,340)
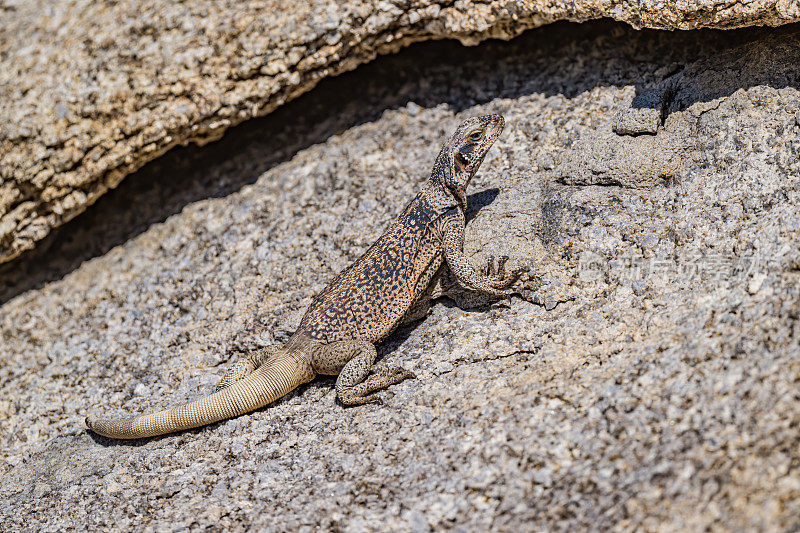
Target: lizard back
(369,298)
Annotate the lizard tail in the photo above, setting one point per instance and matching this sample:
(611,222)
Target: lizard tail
(264,385)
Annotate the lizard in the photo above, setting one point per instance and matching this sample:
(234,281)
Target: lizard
(389,285)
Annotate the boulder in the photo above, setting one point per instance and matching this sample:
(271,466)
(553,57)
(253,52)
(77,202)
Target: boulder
(93,90)
(644,378)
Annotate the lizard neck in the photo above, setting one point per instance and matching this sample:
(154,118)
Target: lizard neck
(439,197)
(444,181)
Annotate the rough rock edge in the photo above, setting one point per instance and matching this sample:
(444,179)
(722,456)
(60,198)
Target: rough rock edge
(30,213)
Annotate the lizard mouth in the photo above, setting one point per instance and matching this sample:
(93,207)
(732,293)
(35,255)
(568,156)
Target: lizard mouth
(497,125)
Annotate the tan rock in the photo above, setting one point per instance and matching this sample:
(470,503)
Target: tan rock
(636,384)
(90,92)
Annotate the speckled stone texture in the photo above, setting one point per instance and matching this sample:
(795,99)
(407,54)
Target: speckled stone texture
(646,379)
(90,91)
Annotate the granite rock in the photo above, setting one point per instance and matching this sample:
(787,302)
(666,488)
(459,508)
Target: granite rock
(90,91)
(645,378)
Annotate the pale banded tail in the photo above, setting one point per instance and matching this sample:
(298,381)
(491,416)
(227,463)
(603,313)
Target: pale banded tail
(276,378)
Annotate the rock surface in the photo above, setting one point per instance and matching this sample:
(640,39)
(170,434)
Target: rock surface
(646,379)
(90,91)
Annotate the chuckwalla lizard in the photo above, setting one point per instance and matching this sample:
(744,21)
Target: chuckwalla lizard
(384,288)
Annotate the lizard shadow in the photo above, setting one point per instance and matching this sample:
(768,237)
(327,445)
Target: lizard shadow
(429,74)
(479,200)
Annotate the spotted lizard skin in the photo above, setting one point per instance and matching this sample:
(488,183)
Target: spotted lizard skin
(359,308)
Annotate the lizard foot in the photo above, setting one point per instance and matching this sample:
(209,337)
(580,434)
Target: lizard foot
(365,391)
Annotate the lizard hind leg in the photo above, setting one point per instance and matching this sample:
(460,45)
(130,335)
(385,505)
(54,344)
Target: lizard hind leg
(355,386)
(245,366)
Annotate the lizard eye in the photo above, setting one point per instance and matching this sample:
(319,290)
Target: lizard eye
(475,135)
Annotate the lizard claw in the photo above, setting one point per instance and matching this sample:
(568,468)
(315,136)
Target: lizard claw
(496,269)
(499,279)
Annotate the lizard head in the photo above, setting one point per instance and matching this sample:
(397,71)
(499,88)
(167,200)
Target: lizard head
(464,152)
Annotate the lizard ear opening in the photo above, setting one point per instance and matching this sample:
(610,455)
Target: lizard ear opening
(461,161)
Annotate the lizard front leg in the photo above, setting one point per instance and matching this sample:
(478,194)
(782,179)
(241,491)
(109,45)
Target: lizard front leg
(355,386)
(462,269)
